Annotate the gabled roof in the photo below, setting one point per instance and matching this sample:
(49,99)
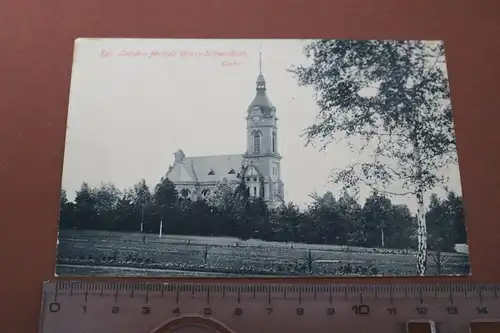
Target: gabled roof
(206,168)
(180,173)
(251,171)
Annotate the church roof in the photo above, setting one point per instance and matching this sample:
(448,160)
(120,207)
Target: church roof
(180,173)
(206,168)
(251,171)
(261,100)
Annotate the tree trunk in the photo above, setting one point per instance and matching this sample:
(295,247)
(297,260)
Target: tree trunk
(161,224)
(421,223)
(439,263)
(142,218)
(382,237)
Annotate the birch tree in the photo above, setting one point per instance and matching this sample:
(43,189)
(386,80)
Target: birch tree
(143,199)
(392,98)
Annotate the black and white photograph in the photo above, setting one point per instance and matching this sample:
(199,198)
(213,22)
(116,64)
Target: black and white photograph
(260,158)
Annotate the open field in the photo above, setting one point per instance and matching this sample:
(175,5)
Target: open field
(116,253)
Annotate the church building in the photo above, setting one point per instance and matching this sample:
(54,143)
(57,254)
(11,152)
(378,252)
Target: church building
(197,177)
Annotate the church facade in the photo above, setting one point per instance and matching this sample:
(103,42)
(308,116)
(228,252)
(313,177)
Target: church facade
(259,167)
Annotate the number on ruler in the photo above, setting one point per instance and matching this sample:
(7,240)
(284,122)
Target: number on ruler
(115,309)
(176,311)
(361,309)
(452,310)
(54,307)
(238,311)
(146,310)
(421,311)
(269,310)
(300,311)
(207,311)
(84,309)
(392,311)
(330,311)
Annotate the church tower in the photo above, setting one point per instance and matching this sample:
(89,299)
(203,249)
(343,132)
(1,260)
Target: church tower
(262,158)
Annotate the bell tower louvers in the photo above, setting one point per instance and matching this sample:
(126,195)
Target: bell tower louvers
(263,172)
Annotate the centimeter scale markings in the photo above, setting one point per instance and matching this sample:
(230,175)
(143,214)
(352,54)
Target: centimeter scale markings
(112,307)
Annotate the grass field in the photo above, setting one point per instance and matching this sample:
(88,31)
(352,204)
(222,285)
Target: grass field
(115,253)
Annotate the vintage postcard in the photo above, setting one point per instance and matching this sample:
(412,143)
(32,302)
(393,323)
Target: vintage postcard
(263,158)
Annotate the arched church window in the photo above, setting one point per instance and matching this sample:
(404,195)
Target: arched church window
(274,142)
(255,191)
(205,192)
(256,142)
(185,193)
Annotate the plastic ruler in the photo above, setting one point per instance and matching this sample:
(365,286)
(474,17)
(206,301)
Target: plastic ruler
(127,307)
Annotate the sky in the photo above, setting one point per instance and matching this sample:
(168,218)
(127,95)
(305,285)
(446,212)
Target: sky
(134,102)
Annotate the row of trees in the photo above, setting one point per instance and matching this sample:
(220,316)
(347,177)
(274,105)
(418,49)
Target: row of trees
(231,212)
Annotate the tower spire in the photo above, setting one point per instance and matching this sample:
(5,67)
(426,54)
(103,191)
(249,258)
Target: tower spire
(261,82)
(260,61)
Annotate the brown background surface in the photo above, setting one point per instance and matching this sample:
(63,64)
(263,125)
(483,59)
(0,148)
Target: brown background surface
(36,45)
